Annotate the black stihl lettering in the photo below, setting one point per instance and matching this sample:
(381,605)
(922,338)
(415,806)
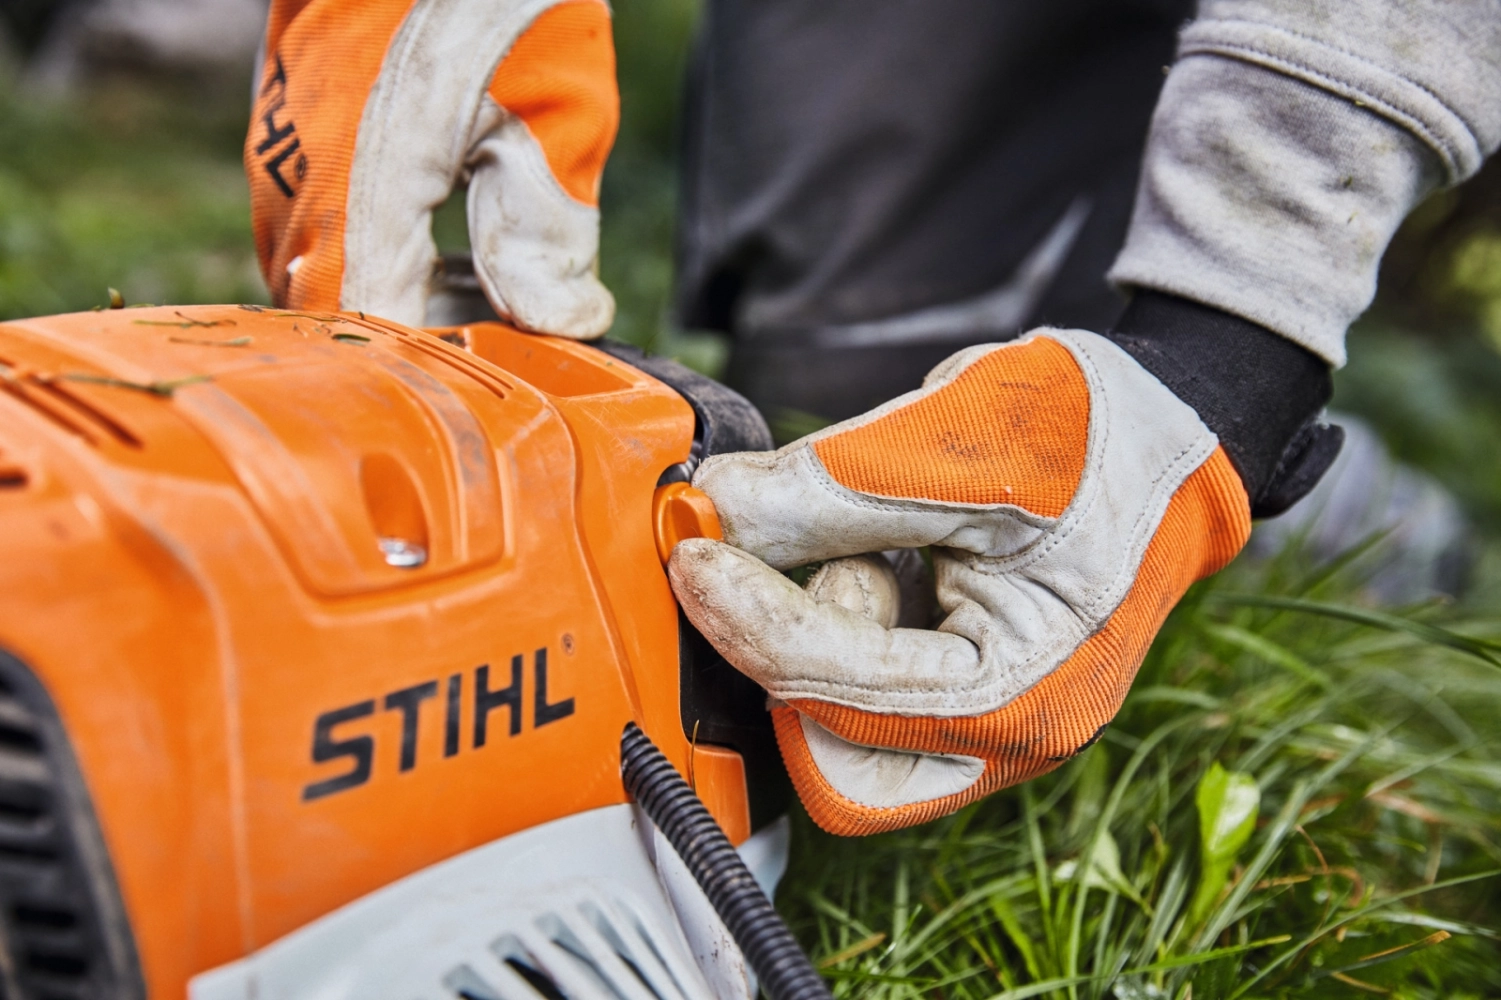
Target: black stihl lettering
(408,701)
(273,167)
(451,721)
(276,91)
(326,748)
(278,78)
(274,133)
(486,700)
(542,712)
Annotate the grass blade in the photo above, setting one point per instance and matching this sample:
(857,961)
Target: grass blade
(1482,649)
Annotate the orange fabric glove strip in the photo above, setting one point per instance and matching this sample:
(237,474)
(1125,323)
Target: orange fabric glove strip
(1012,429)
(559,78)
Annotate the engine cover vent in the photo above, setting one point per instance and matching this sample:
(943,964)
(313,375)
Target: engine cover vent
(590,947)
(572,909)
(49,395)
(63,934)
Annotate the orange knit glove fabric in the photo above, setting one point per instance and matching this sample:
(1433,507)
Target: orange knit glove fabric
(369,111)
(1070,499)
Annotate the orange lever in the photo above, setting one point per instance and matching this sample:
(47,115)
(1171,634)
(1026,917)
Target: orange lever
(679,511)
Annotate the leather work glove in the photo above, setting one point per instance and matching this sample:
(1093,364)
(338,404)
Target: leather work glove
(368,112)
(1070,498)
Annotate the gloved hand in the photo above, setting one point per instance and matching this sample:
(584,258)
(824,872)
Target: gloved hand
(368,113)
(1070,498)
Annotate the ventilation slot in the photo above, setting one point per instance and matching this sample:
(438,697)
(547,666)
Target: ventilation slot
(650,957)
(520,960)
(561,935)
(594,949)
(54,399)
(52,933)
(465,983)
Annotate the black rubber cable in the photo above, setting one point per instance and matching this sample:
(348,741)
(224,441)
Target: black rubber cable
(773,953)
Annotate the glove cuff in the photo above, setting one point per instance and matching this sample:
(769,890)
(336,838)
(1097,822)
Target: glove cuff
(1259,392)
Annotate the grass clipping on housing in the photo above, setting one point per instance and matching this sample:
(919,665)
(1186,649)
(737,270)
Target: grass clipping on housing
(1299,799)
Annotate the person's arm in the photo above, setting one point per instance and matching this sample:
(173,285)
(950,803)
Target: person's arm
(1292,138)
(1071,485)
(366,116)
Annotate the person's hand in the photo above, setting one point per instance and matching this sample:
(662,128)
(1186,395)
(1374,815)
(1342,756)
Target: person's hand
(1070,499)
(366,116)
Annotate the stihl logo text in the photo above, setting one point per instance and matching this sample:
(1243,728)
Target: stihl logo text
(501,691)
(279,142)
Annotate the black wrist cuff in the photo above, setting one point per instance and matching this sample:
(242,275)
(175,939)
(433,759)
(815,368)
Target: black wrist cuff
(1259,392)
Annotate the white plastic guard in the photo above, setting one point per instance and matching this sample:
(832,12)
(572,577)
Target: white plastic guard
(571,909)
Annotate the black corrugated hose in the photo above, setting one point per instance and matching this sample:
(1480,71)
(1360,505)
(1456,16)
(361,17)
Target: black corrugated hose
(774,955)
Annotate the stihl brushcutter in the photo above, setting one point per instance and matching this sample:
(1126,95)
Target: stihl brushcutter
(337,660)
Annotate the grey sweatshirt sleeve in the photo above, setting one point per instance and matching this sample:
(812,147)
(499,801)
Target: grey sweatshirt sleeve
(1292,138)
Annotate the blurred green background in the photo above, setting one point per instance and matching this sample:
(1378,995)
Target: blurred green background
(130,177)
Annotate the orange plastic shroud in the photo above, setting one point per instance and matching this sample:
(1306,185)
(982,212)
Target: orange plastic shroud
(322,601)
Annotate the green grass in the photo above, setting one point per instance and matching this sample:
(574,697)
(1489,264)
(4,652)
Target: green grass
(1368,865)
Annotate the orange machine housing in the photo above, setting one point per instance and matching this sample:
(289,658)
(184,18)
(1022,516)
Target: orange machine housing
(319,601)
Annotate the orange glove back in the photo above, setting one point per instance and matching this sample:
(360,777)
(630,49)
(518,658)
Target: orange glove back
(1070,499)
(369,111)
